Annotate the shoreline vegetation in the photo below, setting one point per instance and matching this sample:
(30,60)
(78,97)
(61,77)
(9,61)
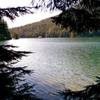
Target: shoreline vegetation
(45,29)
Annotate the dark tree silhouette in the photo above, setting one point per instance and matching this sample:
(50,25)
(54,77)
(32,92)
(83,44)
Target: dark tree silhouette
(11,13)
(77,15)
(91,92)
(83,17)
(4,31)
(14,12)
(78,20)
(12,81)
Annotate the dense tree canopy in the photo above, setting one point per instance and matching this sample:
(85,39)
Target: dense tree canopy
(78,20)
(77,15)
(83,17)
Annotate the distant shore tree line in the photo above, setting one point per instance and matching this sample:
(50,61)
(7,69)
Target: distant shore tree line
(78,18)
(45,29)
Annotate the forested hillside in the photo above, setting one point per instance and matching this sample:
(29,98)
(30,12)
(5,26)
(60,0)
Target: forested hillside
(44,28)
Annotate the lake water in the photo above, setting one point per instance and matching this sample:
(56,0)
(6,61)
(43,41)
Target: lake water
(60,63)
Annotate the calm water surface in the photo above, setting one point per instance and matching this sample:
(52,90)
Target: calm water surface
(60,63)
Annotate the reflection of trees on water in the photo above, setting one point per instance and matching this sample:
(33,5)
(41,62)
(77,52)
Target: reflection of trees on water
(12,81)
(91,92)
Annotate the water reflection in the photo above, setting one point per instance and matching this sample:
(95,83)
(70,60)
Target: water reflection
(13,85)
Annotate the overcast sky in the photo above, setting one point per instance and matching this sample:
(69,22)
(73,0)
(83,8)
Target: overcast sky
(29,18)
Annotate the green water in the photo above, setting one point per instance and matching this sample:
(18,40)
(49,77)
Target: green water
(60,63)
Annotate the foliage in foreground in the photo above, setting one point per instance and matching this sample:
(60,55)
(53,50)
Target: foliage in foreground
(91,92)
(77,15)
(82,17)
(12,79)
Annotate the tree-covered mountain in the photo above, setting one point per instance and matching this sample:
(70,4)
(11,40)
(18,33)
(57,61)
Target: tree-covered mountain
(44,28)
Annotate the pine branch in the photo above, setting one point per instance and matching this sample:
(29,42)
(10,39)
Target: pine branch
(14,12)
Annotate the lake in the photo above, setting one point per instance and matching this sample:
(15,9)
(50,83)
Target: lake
(59,63)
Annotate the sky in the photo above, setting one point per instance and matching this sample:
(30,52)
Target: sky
(28,18)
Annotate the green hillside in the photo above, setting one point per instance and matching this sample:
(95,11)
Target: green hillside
(44,28)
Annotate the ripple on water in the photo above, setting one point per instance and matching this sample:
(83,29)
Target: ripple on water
(60,63)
